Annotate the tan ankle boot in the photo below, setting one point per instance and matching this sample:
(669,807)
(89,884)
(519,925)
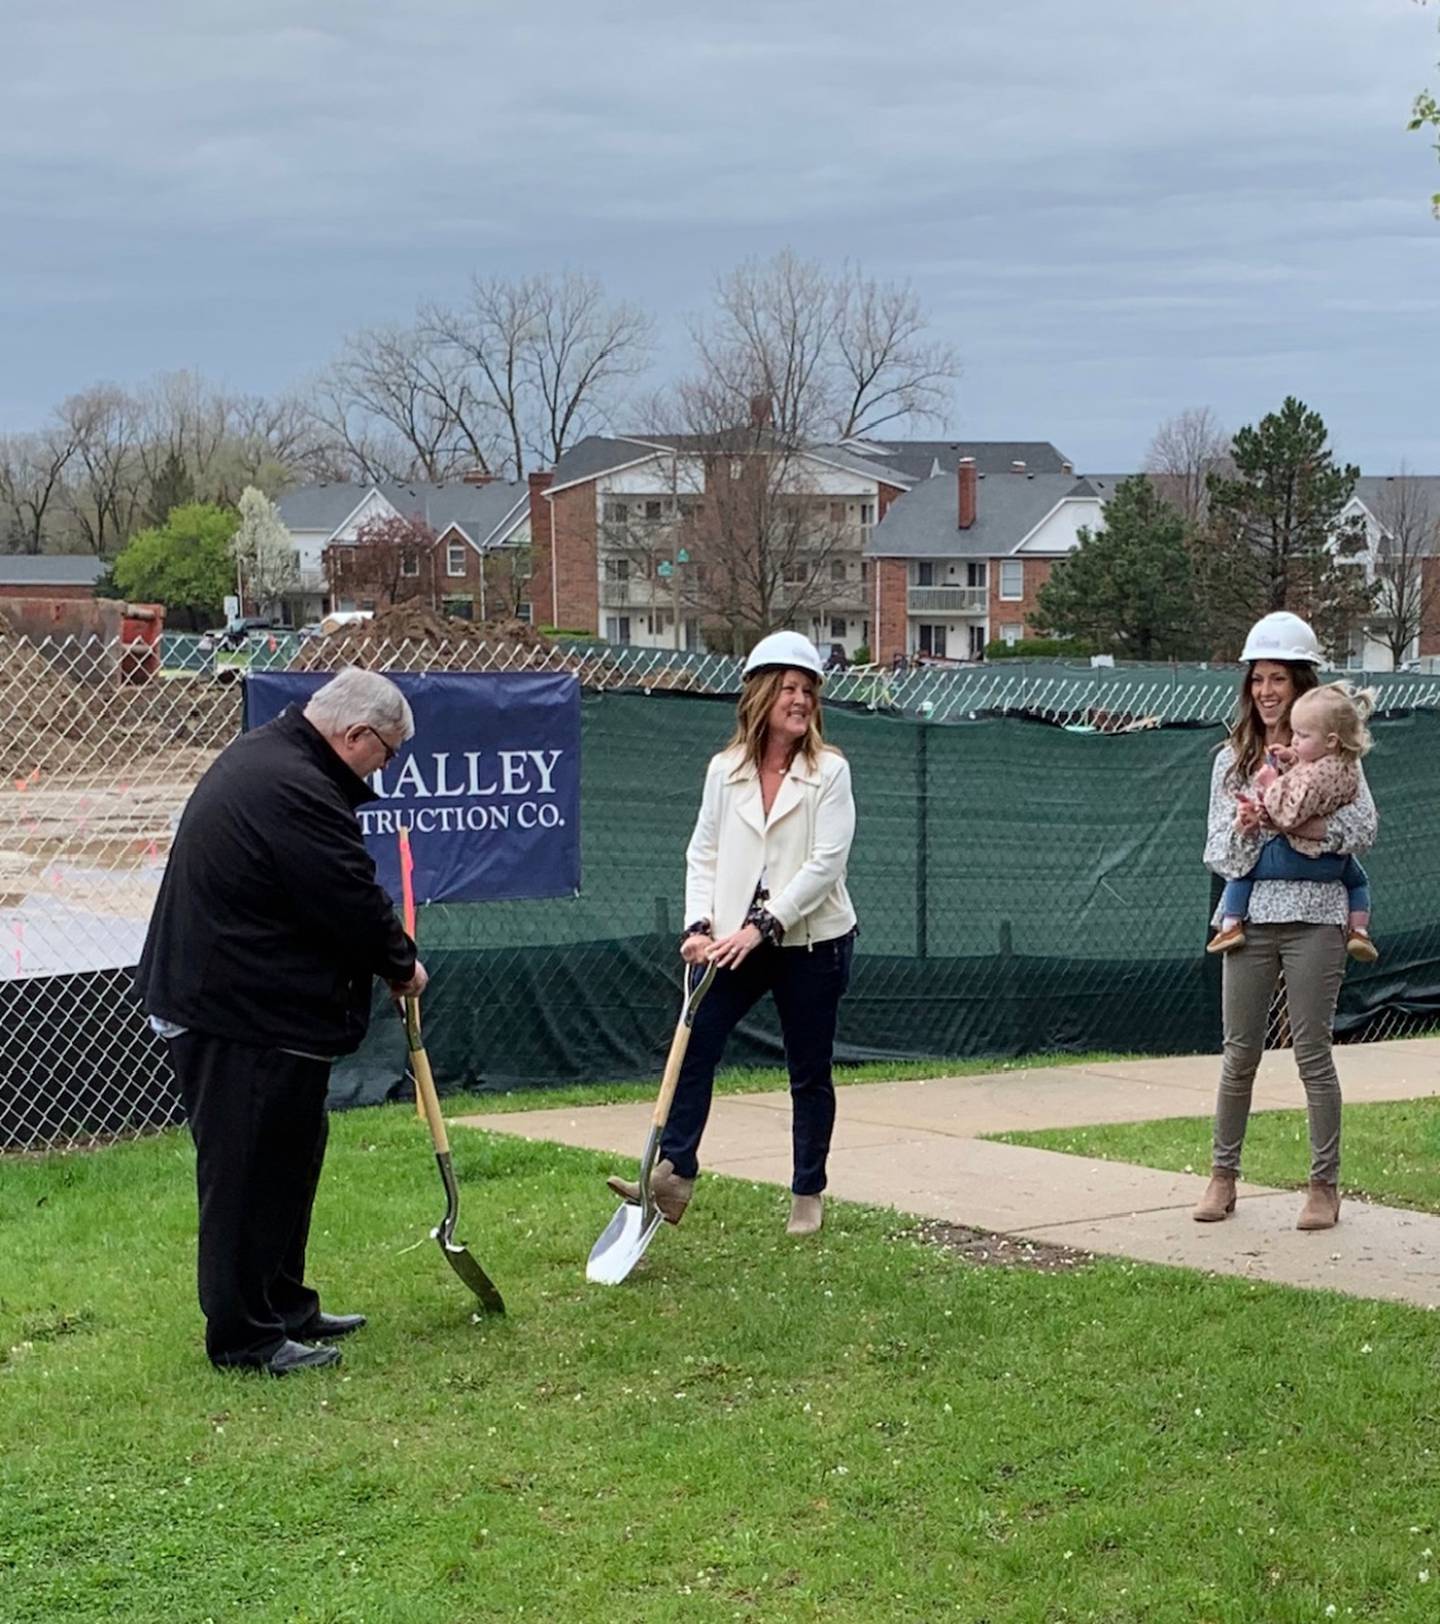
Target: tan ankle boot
(1219,1199)
(1322,1206)
(807,1213)
(670,1193)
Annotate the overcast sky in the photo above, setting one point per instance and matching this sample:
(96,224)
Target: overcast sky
(1114,210)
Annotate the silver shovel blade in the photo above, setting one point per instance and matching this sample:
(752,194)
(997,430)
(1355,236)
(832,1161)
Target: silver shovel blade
(622,1244)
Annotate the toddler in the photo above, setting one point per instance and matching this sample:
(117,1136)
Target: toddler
(1312,777)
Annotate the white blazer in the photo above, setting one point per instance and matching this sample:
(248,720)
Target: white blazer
(801,848)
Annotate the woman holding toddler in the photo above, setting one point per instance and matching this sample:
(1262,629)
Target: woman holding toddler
(1288,806)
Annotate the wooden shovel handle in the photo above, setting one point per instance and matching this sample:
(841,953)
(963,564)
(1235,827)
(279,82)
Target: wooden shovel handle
(426,1097)
(694,992)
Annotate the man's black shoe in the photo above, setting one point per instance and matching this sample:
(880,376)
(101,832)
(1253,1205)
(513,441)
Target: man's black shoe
(331,1325)
(291,1356)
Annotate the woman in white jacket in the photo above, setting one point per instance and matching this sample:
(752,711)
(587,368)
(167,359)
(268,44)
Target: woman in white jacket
(765,894)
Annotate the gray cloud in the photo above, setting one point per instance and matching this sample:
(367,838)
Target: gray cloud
(1114,210)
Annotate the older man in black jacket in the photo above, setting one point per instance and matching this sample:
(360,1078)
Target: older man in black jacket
(267,935)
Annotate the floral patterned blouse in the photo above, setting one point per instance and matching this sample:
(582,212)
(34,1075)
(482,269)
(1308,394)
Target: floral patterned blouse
(1231,855)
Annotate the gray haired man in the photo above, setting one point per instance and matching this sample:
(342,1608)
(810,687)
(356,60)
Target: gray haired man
(267,935)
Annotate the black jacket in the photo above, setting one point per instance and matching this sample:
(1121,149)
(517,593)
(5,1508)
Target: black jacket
(270,924)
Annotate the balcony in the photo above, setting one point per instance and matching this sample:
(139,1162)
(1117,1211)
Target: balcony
(948,600)
(311,581)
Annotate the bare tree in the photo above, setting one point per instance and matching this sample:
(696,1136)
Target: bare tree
(105,493)
(543,357)
(184,422)
(32,472)
(272,443)
(842,355)
(1409,592)
(771,337)
(402,408)
(1185,451)
(583,347)
(889,368)
(746,507)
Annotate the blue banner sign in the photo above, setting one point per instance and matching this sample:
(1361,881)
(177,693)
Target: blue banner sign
(489,787)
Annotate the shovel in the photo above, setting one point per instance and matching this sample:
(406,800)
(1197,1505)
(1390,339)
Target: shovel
(633,1227)
(456,1255)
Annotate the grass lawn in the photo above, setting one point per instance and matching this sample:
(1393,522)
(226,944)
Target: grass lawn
(1391,1150)
(866,1428)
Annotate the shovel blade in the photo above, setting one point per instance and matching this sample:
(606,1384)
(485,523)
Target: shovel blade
(622,1244)
(484,1288)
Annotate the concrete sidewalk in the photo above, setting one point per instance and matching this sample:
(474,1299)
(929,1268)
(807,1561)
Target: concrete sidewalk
(915,1146)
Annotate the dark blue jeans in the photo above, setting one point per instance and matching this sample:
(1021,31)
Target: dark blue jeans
(1280,861)
(807,984)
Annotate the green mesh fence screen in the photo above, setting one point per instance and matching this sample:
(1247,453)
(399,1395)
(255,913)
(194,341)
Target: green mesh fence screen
(1020,887)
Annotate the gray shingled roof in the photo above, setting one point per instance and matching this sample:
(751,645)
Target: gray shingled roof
(50,569)
(922,523)
(597,454)
(917,458)
(479,510)
(902,461)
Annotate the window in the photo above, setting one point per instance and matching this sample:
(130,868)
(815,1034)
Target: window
(1012,578)
(525,612)
(409,563)
(975,573)
(617,569)
(455,558)
(838,629)
(794,573)
(932,640)
(925,574)
(691,507)
(461,608)
(837,513)
(654,510)
(977,642)
(867,513)
(838,570)
(617,628)
(737,467)
(864,570)
(1011,633)
(617,513)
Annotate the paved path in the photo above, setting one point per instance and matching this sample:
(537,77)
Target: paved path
(915,1146)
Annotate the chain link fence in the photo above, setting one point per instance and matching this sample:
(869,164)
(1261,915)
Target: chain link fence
(1011,897)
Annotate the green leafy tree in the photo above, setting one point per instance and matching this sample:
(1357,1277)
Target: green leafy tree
(184,563)
(1425,114)
(1276,538)
(1126,590)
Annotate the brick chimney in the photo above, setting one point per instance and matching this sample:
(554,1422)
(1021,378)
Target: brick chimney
(965,472)
(1017,467)
(1067,467)
(544,585)
(762,409)
(476,476)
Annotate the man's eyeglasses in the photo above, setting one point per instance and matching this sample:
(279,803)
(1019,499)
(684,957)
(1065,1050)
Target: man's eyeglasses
(391,751)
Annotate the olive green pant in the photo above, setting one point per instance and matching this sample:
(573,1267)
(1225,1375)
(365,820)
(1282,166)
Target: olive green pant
(1313,960)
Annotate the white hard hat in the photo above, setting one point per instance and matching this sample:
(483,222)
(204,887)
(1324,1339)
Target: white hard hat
(787,651)
(1285,637)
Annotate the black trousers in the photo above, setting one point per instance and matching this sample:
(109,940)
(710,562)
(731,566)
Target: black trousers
(259,1124)
(807,984)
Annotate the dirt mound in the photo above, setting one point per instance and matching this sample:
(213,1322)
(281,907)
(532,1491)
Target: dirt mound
(64,710)
(418,632)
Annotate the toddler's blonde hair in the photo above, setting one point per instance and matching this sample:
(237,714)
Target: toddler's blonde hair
(1343,711)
